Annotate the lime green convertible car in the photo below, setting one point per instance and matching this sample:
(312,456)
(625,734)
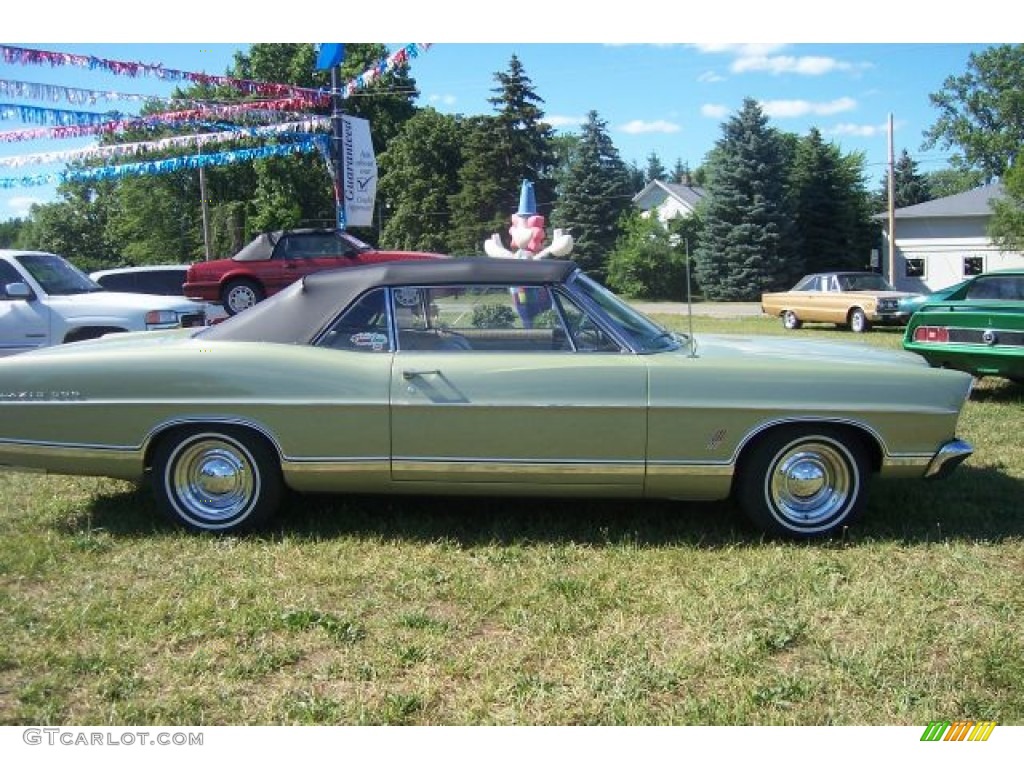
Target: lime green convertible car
(478,376)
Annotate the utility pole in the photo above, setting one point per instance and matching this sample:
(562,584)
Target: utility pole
(337,149)
(892,208)
(206,210)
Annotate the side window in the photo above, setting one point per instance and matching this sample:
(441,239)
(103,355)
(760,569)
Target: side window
(8,274)
(586,334)
(311,246)
(915,268)
(363,327)
(491,318)
(973,265)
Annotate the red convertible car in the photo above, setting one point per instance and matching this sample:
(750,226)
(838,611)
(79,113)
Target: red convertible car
(275,260)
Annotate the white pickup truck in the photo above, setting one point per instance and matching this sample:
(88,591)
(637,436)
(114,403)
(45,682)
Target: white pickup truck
(46,300)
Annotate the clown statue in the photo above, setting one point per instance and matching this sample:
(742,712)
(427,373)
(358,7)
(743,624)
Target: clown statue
(527,235)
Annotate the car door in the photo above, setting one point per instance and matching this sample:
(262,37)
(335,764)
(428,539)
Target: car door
(511,402)
(24,323)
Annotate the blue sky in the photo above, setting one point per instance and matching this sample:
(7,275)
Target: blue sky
(657,96)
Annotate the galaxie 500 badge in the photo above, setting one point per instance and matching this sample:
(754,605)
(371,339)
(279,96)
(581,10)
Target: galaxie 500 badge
(63,395)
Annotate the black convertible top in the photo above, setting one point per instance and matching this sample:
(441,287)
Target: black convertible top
(300,311)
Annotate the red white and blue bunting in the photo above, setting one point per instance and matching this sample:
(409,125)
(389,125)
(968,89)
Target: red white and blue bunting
(18,89)
(198,140)
(291,100)
(169,165)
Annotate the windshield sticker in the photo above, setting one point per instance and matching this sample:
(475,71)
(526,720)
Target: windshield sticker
(378,341)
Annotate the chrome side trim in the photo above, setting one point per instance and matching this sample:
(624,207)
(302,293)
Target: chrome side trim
(339,465)
(517,466)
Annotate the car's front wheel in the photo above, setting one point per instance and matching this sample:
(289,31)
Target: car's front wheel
(790,321)
(220,479)
(803,481)
(239,295)
(859,321)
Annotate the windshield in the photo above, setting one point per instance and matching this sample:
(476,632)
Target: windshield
(864,283)
(57,276)
(643,334)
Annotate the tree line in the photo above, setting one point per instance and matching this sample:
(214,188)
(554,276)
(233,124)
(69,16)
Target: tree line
(775,205)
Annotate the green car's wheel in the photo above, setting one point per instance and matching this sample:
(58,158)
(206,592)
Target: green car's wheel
(219,479)
(803,481)
(859,321)
(239,295)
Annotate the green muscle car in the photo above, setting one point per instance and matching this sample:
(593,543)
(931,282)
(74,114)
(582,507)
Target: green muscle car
(976,326)
(478,376)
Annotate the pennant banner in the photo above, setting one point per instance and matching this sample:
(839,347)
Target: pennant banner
(16,89)
(165,166)
(33,56)
(185,117)
(44,116)
(172,142)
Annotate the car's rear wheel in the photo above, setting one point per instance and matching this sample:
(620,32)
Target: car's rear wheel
(239,295)
(790,321)
(220,479)
(859,321)
(803,481)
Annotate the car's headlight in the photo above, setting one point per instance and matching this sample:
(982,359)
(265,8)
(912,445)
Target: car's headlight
(161,317)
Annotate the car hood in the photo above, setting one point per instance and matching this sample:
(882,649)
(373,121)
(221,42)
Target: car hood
(105,302)
(804,352)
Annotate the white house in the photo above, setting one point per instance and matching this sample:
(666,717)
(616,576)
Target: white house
(667,200)
(943,241)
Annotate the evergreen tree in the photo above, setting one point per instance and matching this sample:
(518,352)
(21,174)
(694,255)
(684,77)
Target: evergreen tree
(825,199)
(500,151)
(637,178)
(747,238)
(680,172)
(419,175)
(593,195)
(655,170)
(909,186)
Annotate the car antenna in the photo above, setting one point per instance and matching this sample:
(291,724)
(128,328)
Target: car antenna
(689,300)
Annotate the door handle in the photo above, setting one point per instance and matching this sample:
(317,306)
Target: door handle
(407,375)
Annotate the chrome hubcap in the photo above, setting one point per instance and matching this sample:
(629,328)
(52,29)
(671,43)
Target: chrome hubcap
(241,298)
(213,480)
(811,483)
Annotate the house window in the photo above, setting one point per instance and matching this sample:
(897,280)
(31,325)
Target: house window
(915,268)
(973,265)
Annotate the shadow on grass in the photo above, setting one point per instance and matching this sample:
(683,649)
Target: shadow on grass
(972,505)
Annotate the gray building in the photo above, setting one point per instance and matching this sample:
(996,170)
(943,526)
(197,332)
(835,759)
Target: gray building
(941,242)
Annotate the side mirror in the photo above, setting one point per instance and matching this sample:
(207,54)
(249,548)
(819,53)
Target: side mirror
(19,291)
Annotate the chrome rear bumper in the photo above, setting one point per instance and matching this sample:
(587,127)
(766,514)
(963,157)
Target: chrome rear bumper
(948,458)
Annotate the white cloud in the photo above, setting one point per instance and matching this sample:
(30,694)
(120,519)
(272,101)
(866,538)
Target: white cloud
(740,49)
(650,126)
(716,111)
(446,99)
(800,65)
(564,121)
(19,206)
(710,77)
(854,129)
(799,107)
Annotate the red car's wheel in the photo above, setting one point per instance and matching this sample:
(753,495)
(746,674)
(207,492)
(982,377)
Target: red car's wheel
(239,295)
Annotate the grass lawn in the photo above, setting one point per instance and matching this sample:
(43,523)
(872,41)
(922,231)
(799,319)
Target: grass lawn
(359,610)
